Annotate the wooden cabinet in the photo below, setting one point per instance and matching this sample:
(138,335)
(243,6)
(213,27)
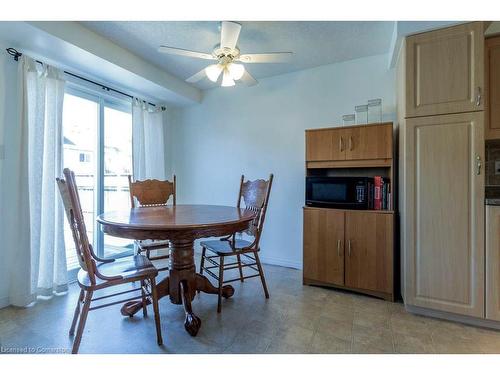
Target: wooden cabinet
(492,88)
(444,205)
(493,262)
(369,142)
(361,142)
(444,71)
(369,251)
(348,248)
(324,245)
(367,149)
(324,145)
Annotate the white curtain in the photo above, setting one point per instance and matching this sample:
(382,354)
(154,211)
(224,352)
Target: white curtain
(39,269)
(148,150)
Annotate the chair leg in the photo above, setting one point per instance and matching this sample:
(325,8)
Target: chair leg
(261,273)
(202,263)
(77,313)
(156,310)
(144,299)
(137,248)
(240,268)
(221,280)
(81,323)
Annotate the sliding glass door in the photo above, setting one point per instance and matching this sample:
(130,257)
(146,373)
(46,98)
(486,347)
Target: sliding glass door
(98,148)
(117,166)
(80,154)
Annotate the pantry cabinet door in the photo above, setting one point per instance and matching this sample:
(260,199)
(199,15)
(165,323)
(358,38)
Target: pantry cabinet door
(444,213)
(324,245)
(444,71)
(493,262)
(369,142)
(369,251)
(492,92)
(325,145)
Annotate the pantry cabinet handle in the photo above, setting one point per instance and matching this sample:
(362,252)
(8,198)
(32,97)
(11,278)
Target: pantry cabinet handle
(338,248)
(478,97)
(478,165)
(341,144)
(349,247)
(350,143)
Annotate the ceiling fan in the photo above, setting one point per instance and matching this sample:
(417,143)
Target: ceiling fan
(229,59)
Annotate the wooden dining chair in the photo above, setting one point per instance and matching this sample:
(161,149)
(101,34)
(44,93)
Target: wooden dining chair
(255,196)
(97,274)
(148,193)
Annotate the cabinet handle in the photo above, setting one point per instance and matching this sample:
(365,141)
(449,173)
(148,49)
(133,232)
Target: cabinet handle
(341,144)
(478,97)
(338,248)
(350,143)
(349,247)
(478,165)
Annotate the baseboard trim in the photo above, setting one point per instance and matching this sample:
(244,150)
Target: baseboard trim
(280,262)
(273,261)
(479,322)
(4,302)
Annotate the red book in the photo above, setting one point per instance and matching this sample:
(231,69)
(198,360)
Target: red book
(377,193)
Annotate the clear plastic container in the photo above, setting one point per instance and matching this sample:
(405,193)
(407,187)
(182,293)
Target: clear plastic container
(374,110)
(348,120)
(361,114)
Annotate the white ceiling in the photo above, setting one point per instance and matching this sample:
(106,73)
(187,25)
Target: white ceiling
(313,43)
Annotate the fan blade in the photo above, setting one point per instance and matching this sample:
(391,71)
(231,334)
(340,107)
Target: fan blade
(197,77)
(273,57)
(230,31)
(247,79)
(185,52)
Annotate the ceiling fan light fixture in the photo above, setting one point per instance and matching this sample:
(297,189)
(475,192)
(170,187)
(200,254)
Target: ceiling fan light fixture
(225,54)
(227,80)
(213,72)
(236,71)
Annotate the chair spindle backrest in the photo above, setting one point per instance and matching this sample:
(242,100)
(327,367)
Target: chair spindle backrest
(151,192)
(72,206)
(255,196)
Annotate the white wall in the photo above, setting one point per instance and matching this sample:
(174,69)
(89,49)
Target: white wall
(258,130)
(8,127)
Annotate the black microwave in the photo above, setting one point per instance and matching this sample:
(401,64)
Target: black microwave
(337,192)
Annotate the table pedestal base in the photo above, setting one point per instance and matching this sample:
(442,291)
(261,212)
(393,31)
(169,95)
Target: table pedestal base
(181,285)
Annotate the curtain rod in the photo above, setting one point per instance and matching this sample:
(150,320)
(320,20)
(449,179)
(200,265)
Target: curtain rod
(16,55)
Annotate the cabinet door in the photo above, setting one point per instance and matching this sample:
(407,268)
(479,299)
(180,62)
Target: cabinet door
(444,70)
(324,245)
(444,206)
(492,92)
(369,251)
(493,262)
(325,144)
(369,142)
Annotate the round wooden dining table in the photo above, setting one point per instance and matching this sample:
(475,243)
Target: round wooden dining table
(181,225)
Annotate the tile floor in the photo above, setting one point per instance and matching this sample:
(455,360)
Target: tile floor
(296,319)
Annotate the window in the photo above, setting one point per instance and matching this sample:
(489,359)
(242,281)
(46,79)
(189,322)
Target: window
(84,157)
(98,148)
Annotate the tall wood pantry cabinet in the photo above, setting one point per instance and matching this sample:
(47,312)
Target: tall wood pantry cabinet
(492,263)
(441,120)
(350,249)
(492,87)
